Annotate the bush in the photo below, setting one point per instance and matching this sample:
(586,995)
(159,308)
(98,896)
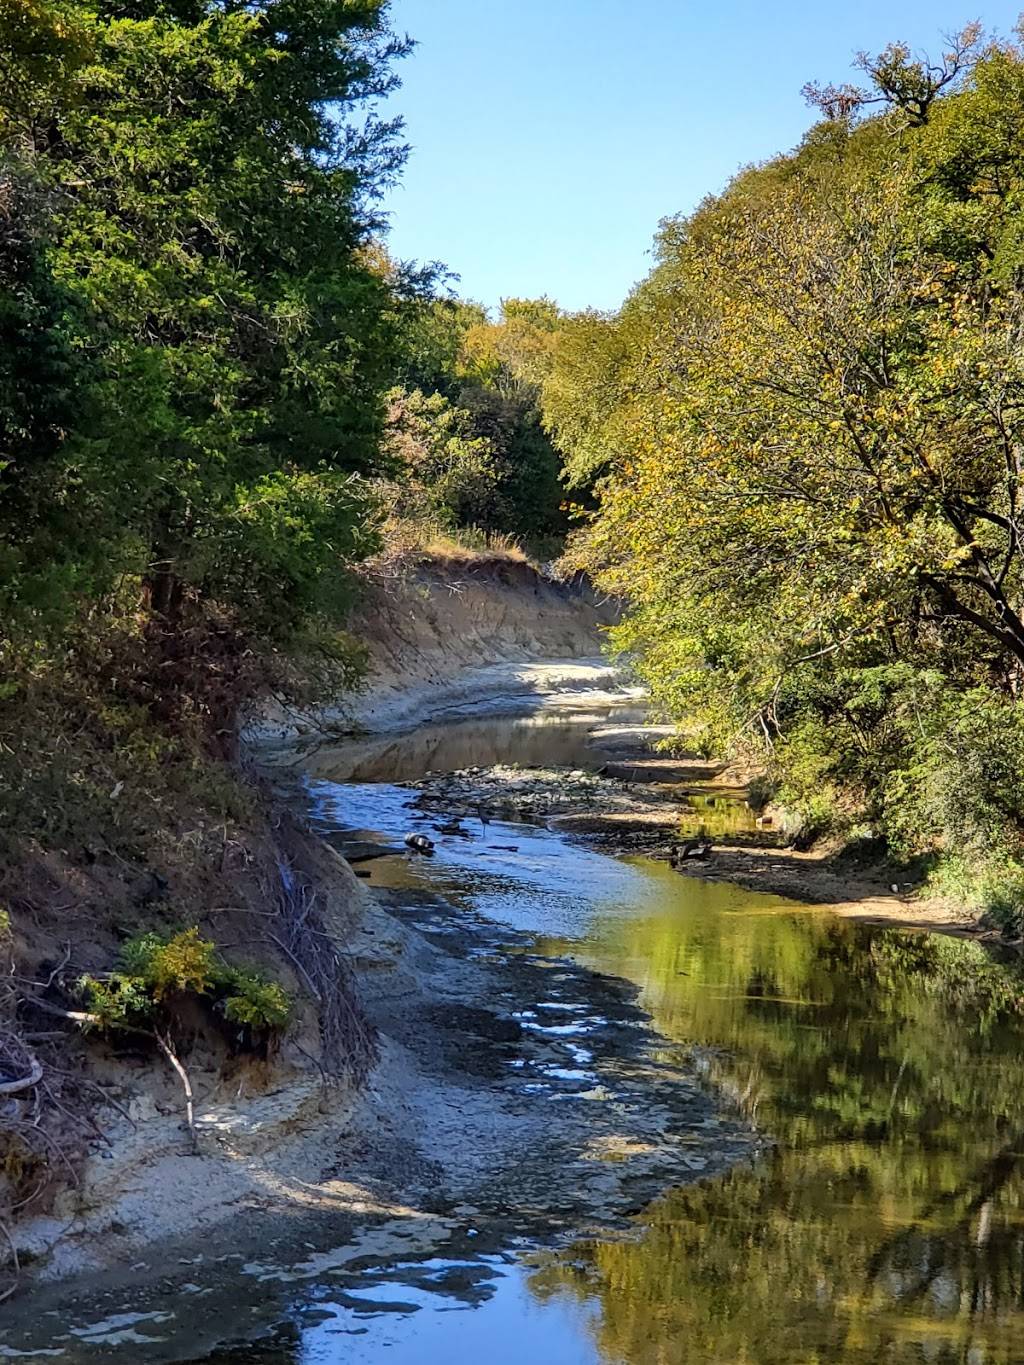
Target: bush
(152,969)
(256,1003)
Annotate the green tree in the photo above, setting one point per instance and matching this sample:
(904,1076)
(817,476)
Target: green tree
(212,199)
(808,420)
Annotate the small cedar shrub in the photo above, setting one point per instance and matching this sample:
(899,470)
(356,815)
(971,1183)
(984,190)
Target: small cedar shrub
(153,967)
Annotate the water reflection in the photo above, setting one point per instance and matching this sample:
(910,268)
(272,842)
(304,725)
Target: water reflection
(583,739)
(889,1224)
(717,815)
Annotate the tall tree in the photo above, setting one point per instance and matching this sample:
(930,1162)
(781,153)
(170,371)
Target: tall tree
(211,201)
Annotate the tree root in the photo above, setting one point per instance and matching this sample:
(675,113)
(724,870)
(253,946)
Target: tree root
(164,1044)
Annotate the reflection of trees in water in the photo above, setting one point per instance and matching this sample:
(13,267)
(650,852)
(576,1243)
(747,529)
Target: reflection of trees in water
(889,1224)
(535,741)
(763,1267)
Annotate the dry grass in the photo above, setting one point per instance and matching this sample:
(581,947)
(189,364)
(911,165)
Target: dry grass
(408,541)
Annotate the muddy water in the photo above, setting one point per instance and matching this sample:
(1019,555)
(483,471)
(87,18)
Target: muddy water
(885,1225)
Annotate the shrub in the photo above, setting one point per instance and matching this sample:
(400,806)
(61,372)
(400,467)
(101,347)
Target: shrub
(260,1005)
(153,968)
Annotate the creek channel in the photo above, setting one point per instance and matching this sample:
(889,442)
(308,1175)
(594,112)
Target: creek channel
(882,1222)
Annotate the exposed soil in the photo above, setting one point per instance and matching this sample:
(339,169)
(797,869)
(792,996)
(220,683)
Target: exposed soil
(444,632)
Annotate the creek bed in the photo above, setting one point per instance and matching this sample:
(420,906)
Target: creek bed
(885,1223)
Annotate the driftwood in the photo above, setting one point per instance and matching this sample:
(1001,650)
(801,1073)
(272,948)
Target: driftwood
(690,850)
(34,1076)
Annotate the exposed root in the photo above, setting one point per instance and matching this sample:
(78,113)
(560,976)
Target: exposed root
(164,1044)
(20,1069)
(43,1122)
(15,1263)
(348,1042)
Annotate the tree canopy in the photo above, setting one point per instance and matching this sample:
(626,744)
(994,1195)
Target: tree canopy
(807,423)
(188,194)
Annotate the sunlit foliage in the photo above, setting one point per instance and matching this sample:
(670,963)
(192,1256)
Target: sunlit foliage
(807,424)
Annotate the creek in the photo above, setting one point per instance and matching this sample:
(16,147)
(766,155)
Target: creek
(884,1223)
(887,1222)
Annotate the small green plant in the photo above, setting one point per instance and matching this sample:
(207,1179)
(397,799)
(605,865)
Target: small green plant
(153,968)
(258,1004)
(180,964)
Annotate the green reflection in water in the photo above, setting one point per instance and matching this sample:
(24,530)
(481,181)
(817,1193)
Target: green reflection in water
(888,1225)
(717,815)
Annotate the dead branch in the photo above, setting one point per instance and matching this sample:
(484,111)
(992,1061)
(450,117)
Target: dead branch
(348,1043)
(34,1076)
(164,1044)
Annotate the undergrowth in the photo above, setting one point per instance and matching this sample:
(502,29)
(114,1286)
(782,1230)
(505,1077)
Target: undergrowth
(154,970)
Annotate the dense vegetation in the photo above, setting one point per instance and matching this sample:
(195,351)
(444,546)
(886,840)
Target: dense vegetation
(806,428)
(465,427)
(215,386)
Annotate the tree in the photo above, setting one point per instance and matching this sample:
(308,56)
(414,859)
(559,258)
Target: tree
(444,464)
(810,419)
(211,201)
(901,80)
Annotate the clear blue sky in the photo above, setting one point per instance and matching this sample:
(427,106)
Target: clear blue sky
(550,136)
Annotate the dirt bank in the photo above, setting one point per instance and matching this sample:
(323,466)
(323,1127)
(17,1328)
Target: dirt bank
(442,633)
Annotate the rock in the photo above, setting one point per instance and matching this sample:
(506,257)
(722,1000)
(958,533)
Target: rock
(419,843)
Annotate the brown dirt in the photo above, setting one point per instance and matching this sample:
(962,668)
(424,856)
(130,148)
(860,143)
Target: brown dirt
(442,630)
(808,877)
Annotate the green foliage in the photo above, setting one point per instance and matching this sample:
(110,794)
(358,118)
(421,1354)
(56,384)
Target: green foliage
(154,968)
(446,465)
(258,1004)
(465,430)
(806,431)
(118,1001)
(179,965)
(195,342)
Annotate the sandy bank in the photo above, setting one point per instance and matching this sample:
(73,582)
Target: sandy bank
(447,634)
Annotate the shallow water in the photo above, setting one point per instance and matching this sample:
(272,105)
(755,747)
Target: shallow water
(886,1225)
(584,738)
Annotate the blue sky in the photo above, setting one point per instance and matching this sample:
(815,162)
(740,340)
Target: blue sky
(550,136)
